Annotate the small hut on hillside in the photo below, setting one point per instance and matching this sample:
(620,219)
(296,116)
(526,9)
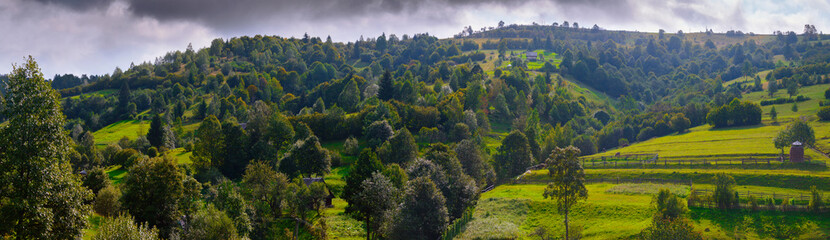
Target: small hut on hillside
(531,56)
(797,152)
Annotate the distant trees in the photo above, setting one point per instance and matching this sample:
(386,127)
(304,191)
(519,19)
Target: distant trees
(514,155)
(568,181)
(40,198)
(680,123)
(736,113)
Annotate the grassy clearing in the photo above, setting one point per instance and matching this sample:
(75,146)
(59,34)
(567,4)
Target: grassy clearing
(648,189)
(516,211)
(340,225)
(750,81)
(808,108)
(114,132)
(181,156)
(116,173)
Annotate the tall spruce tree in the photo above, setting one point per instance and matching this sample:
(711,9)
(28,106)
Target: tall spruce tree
(387,87)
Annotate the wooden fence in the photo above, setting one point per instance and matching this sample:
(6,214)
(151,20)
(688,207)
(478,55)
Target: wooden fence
(616,181)
(639,161)
(800,202)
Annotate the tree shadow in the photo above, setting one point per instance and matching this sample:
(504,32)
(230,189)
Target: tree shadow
(737,128)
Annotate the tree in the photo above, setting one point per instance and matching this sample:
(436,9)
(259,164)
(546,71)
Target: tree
(387,87)
(264,187)
(367,164)
(39,196)
(474,163)
(422,214)
(724,194)
(153,191)
(668,205)
(568,185)
(96,179)
(401,148)
(377,133)
(107,201)
(306,157)
(351,146)
(124,100)
(377,197)
(124,227)
(208,150)
(210,223)
(797,131)
(156,133)
(680,123)
(349,97)
(795,107)
(792,88)
(773,114)
(234,156)
(514,155)
(772,87)
(824,113)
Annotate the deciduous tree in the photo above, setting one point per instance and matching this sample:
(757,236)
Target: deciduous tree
(40,198)
(568,181)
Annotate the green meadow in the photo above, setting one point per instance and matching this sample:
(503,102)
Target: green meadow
(520,212)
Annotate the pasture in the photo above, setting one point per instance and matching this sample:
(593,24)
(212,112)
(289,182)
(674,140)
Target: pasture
(520,212)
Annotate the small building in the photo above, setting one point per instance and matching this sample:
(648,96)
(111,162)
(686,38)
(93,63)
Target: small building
(330,197)
(531,56)
(797,152)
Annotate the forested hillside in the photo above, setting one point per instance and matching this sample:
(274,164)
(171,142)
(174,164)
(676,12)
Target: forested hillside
(397,137)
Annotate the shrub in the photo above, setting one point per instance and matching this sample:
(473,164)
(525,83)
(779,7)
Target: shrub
(824,113)
(123,227)
(724,194)
(96,179)
(816,202)
(351,147)
(107,202)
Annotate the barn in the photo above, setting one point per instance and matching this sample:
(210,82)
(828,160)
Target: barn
(531,56)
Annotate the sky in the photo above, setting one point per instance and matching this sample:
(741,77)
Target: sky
(95,36)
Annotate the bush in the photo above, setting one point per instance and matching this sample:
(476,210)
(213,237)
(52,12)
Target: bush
(96,179)
(351,147)
(824,113)
(816,200)
(123,227)
(107,202)
(724,191)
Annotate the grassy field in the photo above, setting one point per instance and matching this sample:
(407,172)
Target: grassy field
(517,211)
(114,132)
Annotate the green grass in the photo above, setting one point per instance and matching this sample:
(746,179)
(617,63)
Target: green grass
(116,173)
(181,156)
(342,226)
(808,108)
(516,211)
(101,93)
(749,81)
(114,132)
(791,179)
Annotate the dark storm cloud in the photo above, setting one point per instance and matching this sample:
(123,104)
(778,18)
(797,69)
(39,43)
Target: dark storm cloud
(228,14)
(79,5)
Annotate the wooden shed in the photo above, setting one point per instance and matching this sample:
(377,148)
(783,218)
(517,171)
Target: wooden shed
(797,152)
(531,56)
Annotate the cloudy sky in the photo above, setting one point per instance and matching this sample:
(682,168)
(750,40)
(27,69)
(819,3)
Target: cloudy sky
(95,36)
